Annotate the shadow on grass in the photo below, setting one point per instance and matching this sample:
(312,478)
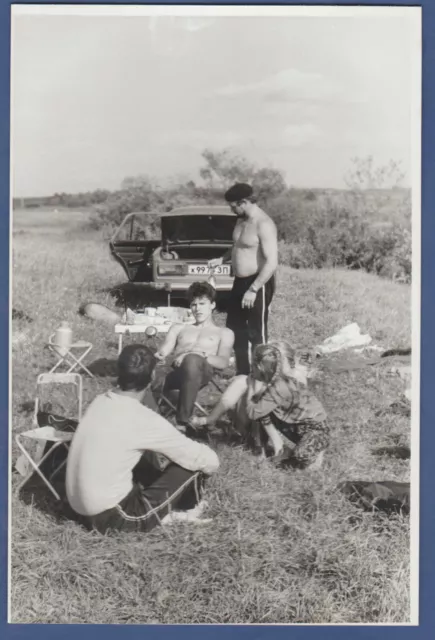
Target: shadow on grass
(128,295)
(104,368)
(36,494)
(221,433)
(27,407)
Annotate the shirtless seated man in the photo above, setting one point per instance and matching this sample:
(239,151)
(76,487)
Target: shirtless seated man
(198,349)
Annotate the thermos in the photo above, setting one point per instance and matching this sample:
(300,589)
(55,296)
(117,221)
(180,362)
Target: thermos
(63,338)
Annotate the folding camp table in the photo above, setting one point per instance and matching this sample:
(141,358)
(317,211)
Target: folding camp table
(66,355)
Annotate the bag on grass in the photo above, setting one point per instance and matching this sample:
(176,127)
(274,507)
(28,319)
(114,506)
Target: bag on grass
(60,423)
(388,496)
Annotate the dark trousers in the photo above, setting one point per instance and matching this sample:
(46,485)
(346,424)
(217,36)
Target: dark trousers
(249,325)
(154,493)
(193,374)
(310,439)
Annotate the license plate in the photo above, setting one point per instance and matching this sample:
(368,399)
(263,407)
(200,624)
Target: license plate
(204,270)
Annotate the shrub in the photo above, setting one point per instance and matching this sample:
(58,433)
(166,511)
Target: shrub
(365,227)
(341,231)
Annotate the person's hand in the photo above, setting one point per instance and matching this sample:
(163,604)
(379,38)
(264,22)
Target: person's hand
(248,299)
(254,386)
(179,359)
(216,262)
(159,356)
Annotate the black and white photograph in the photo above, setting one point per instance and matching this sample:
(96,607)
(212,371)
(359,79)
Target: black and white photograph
(215,315)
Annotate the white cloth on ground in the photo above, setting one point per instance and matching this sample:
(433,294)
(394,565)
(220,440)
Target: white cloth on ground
(348,337)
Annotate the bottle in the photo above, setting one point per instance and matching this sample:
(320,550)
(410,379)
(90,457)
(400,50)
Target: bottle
(63,338)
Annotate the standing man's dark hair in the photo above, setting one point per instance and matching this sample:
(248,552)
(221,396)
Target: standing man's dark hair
(238,192)
(254,259)
(136,365)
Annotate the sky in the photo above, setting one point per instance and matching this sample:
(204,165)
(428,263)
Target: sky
(96,98)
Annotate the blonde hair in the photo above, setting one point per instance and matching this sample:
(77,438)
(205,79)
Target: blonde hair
(272,362)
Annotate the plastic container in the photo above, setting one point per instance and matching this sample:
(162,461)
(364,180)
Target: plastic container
(150,311)
(63,338)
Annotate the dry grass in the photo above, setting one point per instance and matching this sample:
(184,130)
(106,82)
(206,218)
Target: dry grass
(284,547)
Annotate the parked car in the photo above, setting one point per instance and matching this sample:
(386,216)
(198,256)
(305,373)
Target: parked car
(190,236)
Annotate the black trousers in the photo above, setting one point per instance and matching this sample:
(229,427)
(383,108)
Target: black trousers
(193,374)
(154,493)
(249,325)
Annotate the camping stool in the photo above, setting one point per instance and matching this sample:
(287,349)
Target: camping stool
(67,356)
(48,433)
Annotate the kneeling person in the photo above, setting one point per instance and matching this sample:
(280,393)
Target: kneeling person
(272,397)
(104,480)
(198,349)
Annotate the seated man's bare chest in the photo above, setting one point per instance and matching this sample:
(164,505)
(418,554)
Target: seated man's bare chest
(199,338)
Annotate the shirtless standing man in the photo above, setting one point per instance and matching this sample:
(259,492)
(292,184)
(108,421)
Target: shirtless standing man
(198,349)
(254,258)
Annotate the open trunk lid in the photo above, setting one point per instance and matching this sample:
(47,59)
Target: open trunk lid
(193,229)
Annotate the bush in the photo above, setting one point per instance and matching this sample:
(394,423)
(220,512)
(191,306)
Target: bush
(337,237)
(365,227)
(299,255)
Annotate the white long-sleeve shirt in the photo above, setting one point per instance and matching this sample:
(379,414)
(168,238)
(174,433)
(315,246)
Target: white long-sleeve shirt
(108,443)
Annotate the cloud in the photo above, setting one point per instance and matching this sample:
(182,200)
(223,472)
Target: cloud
(287,84)
(199,140)
(289,136)
(296,135)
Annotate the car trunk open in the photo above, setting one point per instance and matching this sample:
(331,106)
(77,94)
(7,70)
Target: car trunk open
(189,238)
(198,252)
(195,230)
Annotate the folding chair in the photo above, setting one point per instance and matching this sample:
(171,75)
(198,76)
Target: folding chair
(48,433)
(165,400)
(151,333)
(168,409)
(67,356)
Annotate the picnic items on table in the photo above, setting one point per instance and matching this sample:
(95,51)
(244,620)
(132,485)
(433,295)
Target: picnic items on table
(70,353)
(161,318)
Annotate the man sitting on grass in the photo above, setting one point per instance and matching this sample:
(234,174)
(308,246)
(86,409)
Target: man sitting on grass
(108,478)
(198,348)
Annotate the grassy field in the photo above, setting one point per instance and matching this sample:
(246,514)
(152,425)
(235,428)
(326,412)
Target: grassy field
(284,547)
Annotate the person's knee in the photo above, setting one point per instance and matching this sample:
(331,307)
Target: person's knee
(192,363)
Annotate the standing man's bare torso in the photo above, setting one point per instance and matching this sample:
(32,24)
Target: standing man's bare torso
(247,256)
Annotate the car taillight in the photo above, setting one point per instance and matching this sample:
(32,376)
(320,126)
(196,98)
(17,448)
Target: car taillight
(171,270)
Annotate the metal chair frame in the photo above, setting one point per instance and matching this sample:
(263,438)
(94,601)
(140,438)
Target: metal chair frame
(46,433)
(164,399)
